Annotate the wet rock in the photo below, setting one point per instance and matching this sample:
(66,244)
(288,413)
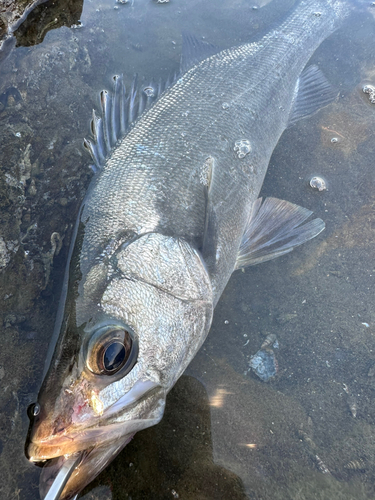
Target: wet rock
(63,202)
(264,364)
(4,253)
(12,14)
(30,20)
(45,17)
(10,319)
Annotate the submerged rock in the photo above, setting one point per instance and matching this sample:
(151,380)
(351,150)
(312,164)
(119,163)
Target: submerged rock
(264,364)
(30,20)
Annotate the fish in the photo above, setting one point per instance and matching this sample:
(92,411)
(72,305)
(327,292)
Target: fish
(171,212)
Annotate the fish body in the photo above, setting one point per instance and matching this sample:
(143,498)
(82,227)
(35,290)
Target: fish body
(171,213)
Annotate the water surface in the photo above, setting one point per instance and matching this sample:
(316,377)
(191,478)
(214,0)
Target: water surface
(309,433)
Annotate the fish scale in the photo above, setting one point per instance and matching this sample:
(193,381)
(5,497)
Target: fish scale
(247,77)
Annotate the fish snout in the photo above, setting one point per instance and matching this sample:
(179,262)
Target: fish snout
(53,432)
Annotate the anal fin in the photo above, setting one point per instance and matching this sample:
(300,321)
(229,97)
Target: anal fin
(275,227)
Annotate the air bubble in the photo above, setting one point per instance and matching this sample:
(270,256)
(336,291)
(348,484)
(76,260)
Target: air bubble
(225,105)
(149,91)
(334,140)
(18,134)
(318,183)
(242,148)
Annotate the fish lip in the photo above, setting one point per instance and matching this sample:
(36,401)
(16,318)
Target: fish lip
(82,469)
(94,435)
(93,441)
(54,476)
(82,441)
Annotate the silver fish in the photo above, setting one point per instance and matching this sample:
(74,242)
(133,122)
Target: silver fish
(172,211)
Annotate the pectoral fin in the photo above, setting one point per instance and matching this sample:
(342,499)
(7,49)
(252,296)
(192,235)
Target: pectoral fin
(273,229)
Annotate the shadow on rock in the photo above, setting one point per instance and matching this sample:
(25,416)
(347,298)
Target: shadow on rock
(173,459)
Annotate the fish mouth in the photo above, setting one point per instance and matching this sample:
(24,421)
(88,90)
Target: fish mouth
(63,477)
(80,441)
(111,426)
(96,444)
(56,474)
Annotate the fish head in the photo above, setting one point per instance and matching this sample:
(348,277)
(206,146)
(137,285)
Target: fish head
(132,322)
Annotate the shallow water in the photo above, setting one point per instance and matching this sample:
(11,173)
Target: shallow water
(308,433)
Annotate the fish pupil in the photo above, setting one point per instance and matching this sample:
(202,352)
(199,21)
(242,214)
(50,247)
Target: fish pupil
(114,356)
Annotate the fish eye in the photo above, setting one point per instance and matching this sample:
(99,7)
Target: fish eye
(112,349)
(113,355)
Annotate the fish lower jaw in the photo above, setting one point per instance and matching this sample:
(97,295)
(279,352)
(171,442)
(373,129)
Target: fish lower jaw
(85,466)
(39,454)
(68,444)
(87,438)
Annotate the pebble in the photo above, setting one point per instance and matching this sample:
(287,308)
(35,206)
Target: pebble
(264,364)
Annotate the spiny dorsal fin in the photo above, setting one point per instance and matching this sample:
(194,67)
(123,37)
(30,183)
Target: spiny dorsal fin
(119,111)
(313,91)
(273,229)
(194,51)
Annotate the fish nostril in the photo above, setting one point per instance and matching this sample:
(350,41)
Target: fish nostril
(36,409)
(33,410)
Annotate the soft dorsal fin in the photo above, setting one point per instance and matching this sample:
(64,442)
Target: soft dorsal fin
(194,51)
(273,229)
(119,111)
(313,91)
